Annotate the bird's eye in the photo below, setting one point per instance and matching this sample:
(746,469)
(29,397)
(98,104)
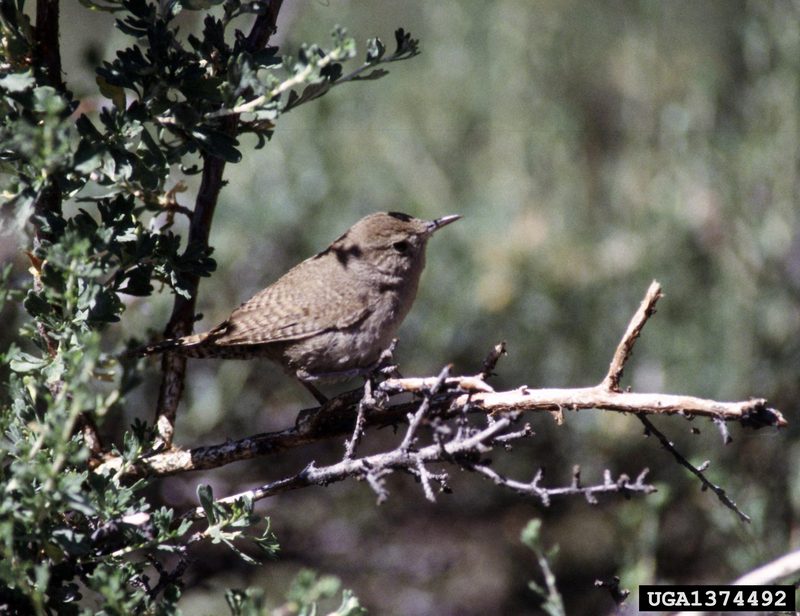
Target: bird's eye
(401,246)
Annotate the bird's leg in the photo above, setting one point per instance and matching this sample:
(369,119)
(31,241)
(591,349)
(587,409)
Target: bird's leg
(320,397)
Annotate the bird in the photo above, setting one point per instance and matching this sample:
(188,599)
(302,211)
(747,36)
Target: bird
(331,316)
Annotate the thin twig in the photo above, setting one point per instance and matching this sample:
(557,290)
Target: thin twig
(622,485)
(425,479)
(378,485)
(727,439)
(367,402)
(625,347)
(490,362)
(618,594)
(698,472)
(300,78)
(295,80)
(415,420)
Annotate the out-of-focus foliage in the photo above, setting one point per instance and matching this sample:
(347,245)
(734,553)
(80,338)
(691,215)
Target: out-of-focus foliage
(304,597)
(552,603)
(591,147)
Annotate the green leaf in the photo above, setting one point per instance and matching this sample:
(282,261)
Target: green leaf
(250,602)
(23,362)
(36,305)
(48,100)
(372,75)
(131,446)
(104,308)
(18,82)
(218,144)
(88,156)
(206,497)
(268,542)
(113,92)
(137,281)
(406,46)
(530,534)
(349,606)
(375,50)
(72,542)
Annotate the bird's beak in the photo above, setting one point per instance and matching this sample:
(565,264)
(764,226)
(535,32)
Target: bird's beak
(437,224)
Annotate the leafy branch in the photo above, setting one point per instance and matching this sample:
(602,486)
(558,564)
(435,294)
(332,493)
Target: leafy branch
(87,180)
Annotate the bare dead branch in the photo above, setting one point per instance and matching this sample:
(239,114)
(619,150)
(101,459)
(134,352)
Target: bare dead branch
(698,472)
(444,399)
(336,418)
(622,485)
(374,465)
(419,385)
(751,413)
(445,404)
(625,347)
(465,449)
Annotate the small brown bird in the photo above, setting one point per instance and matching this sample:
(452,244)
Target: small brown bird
(332,315)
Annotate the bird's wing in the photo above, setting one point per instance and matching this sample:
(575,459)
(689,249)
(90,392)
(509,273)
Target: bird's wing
(294,307)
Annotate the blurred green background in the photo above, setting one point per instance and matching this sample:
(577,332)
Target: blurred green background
(591,148)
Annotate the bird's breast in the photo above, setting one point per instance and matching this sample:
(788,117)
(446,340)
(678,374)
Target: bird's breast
(355,346)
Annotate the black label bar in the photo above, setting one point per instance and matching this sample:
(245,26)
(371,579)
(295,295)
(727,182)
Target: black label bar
(716,598)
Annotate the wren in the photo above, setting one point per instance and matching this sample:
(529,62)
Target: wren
(331,316)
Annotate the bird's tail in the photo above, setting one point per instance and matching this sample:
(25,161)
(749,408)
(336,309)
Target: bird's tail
(189,346)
